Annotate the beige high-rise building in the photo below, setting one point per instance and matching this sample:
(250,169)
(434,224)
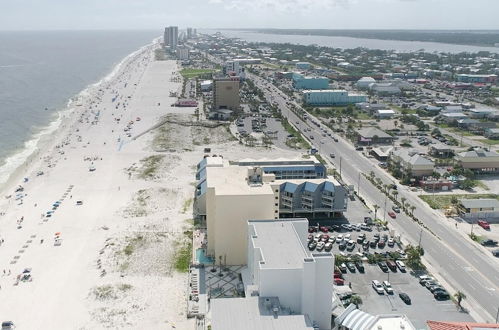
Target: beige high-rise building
(226,93)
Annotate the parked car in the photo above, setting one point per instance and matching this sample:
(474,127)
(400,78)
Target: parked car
(359,148)
(320,246)
(339,238)
(392,265)
(343,267)
(441,295)
(346,226)
(430,283)
(381,244)
(312,229)
(373,244)
(424,278)
(8,325)
(489,242)
(339,281)
(383,266)
(484,224)
(325,238)
(388,287)
(359,266)
(350,245)
(351,266)
(390,242)
(392,214)
(435,288)
(361,238)
(312,245)
(365,227)
(342,245)
(401,266)
(405,298)
(495,253)
(324,229)
(396,209)
(332,155)
(377,287)
(328,246)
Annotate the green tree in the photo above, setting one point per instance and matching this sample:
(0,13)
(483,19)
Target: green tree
(395,194)
(402,201)
(414,257)
(356,300)
(412,209)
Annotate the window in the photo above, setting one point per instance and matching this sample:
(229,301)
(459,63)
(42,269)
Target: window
(276,204)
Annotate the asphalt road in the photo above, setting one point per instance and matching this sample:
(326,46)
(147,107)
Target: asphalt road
(458,261)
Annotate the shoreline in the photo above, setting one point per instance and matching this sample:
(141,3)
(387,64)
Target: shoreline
(12,169)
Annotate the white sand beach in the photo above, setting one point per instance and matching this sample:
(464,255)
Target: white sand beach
(108,263)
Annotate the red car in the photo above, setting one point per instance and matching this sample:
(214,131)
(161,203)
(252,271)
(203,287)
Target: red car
(324,229)
(339,281)
(324,238)
(392,214)
(312,229)
(484,224)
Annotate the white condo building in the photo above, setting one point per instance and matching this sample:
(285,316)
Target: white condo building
(288,286)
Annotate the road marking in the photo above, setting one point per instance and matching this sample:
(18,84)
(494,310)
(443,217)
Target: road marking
(469,269)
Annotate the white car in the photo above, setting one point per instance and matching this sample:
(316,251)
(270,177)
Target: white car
(400,265)
(348,237)
(377,287)
(388,287)
(339,238)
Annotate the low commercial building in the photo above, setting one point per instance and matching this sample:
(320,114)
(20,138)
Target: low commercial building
(364,82)
(384,114)
(384,89)
(277,250)
(372,135)
(449,117)
(412,163)
(381,153)
(331,97)
(492,133)
(477,78)
(228,195)
(315,83)
(441,150)
(303,65)
(479,208)
(479,161)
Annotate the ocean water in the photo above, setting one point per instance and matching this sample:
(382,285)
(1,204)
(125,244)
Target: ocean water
(40,71)
(349,43)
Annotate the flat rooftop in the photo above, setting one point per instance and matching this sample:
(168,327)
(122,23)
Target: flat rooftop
(280,244)
(251,313)
(231,180)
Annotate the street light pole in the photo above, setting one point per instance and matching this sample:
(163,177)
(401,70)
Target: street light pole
(340,166)
(358,186)
(497,315)
(384,213)
(420,237)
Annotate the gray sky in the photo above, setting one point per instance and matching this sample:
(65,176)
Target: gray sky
(333,14)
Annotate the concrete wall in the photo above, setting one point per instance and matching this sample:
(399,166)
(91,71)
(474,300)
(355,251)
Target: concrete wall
(229,233)
(282,283)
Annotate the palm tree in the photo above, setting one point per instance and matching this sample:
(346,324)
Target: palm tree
(385,187)
(356,300)
(459,297)
(376,208)
(379,181)
(395,194)
(371,174)
(402,200)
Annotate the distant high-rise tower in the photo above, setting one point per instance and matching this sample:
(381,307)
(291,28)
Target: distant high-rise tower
(171,37)
(189,33)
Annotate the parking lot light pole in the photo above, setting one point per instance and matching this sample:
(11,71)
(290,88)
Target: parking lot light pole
(358,186)
(384,213)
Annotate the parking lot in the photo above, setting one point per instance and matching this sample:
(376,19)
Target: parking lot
(423,305)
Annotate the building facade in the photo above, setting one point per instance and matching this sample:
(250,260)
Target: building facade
(277,250)
(226,93)
(182,53)
(331,97)
(479,161)
(228,195)
(315,83)
(170,37)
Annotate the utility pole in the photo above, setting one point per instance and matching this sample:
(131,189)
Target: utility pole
(497,315)
(358,186)
(420,237)
(384,213)
(340,167)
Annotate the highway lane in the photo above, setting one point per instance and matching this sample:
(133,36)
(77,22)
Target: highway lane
(463,266)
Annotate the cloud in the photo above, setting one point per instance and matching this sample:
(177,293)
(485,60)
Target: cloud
(281,5)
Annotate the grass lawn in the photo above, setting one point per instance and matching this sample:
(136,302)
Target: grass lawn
(192,73)
(489,141)
(442,201)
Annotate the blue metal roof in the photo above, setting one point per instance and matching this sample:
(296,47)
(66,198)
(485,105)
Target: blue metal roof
(329,186)
(310,187)
(289,187)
